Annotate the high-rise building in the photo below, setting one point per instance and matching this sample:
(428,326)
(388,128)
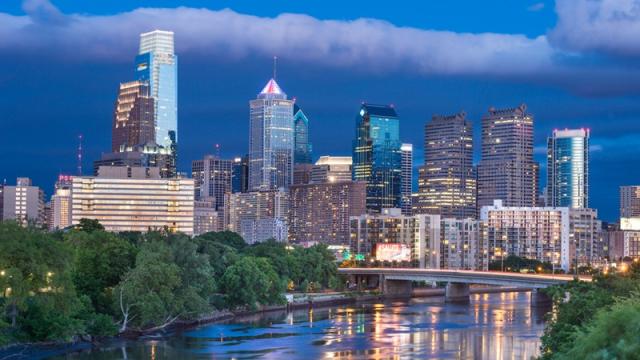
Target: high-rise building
(141,155)
(133,199)
(23,203)
(631,233)
(568,169)
(271,139)
(61,203)
(406,186)
(447,181)
(460,245)
(240,174)
(302,173)
(629,201)
(302,146)
(205,217)
(542,234)
(332,169)
(133,117)
(586,237)
(319,213)
(377,158)
(213,178)
(157,65)
(507,170)
(613,238)
(258,215)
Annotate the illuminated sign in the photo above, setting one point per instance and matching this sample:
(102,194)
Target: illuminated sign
(392,252)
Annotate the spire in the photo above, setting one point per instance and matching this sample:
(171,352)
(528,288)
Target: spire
(272,87)
(275,66)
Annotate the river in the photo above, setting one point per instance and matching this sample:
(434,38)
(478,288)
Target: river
(492,326)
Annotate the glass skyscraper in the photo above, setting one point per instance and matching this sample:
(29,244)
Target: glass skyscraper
(377,157)
(568,169)
(271,139)
(157,64)
(302,147)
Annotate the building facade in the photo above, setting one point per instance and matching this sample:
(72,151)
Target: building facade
(247,213)
(133,118)
(460,246)
(319,213)
(568,169)
(332,169)
(302,173)
(205,217)
(406,185)
(302,147)
(133,199)
(586,237)
(507,170)
(271,139)
(240,174)
(377,157)
(61,203)
(629,201)
(23,203)
(157,65)
(447,181)
(141,155)
(213,179)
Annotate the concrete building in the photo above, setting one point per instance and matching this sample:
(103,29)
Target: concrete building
(205,217)
(140,155)
(319,213)
(302,173)
(507,170)
(629,201)
(406,186)
(271,139)
(460,246)
(213,178)
(247,213)
(568,169)
(631,233)
(133,116)
(447,181)
(586,237)
(133,199)
(61,203)
(332,169)
(23,203)
(613,239)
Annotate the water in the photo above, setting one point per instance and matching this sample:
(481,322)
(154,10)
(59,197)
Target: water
(493,326)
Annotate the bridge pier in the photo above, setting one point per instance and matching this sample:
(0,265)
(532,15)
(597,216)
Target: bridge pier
(540,299)
(457,293)
(396,288)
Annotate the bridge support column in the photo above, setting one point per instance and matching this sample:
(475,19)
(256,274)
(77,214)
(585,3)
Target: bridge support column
(540,299)
(457,293)
(396,288)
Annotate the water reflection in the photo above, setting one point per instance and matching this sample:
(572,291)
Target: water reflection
(493,326)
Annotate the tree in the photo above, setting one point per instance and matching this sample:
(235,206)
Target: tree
(220,256)
(228,238)
(275,252)
(89,225)
(100,261)
(251,282)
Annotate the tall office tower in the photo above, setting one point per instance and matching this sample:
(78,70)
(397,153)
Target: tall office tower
(447,184)
(568,169)
(133,199)
(61,203)
(258,215)
(406,186)
(212,178)
(141,155)
(319,213)
(331,169)
(629,201)
(157,65)
(240,174)
(271,139)
(23,203)
(302,146)
(507,171)
(302,173)
(133,119)
(377,158)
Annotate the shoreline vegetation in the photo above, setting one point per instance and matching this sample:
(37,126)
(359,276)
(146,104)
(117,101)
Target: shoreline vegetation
(83,284)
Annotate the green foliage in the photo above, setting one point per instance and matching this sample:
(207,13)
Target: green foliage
(228,238)
(221,256)
(89,225)
(251,282)
(52,316)
(516,264)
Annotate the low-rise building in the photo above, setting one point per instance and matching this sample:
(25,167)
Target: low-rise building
(23,203)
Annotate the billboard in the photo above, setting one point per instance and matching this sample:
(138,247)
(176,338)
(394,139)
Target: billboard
(392,252)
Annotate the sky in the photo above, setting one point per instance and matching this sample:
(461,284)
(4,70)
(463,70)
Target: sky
(575,63)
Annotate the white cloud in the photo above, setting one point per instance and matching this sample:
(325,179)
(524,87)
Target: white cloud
(600,26)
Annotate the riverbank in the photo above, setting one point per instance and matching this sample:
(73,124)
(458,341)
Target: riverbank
(299,301)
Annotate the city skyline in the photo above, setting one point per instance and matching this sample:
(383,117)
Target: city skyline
(222,120)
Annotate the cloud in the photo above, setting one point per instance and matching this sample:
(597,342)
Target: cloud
(610,27)
(536,7)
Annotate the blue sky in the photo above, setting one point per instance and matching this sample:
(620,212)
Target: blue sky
(574,63)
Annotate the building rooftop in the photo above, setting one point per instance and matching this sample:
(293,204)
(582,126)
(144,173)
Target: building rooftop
(379,110)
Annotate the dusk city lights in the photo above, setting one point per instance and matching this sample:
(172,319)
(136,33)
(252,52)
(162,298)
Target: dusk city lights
(280,179)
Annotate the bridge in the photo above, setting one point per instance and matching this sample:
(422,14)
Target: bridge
(397,281)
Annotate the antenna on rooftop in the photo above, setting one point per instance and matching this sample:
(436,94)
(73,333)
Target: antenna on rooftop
(275,65)
(79,155)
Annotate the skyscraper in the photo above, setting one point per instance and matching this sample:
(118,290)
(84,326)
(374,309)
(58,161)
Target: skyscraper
(447,183)
(212,179)
(331,169)
(271,139)
(568,169)
(240,174)
(377,158)
(302,146)
(133,118)
(157,64)
(407,178)
(507,171)
(629,201)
